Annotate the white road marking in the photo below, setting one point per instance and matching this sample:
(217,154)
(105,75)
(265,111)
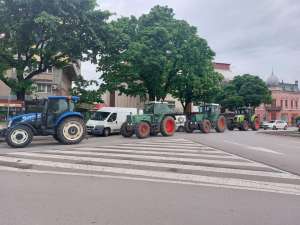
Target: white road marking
(149,152)
(169,146)
(161,165)
(191,178)
(256,148)
(158,148)
(169,159)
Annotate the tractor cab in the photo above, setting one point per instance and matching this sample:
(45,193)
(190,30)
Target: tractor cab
(157,108)
(52,116)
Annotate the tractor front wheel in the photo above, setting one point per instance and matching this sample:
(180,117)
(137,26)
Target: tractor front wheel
(19,136)
(205,126)
(220,126)
(71,131)
(255,124)
(245,126)
(143,130)
(126,130)
(168,126)
(188,128)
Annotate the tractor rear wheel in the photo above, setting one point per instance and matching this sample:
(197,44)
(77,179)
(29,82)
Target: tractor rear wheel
(188,128)
(220,125)
(255,124)
(168,126)
(142,130)
(126,130)
(245,126)
(19,136)
(71,131)
(205,126)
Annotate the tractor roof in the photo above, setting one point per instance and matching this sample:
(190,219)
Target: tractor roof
(73,98)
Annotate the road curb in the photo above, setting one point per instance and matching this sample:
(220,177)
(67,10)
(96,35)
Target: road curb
(282,133)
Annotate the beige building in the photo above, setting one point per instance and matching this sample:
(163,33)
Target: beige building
(52,82)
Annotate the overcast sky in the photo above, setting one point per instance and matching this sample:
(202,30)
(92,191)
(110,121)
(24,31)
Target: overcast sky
(252,35)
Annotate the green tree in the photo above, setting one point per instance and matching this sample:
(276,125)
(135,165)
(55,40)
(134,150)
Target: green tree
(39,34)
(245,90)
(155,55)
(87,90)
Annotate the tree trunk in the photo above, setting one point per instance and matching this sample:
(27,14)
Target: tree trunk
(188,107)
(20,95)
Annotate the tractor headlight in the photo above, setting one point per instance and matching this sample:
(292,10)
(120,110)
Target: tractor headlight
(181,119)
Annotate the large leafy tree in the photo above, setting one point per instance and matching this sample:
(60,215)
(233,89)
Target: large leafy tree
(154,55)
(39,34)
(87,90)
(244,90)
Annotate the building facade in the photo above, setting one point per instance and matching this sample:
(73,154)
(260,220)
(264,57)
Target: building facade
(285,101)
(52,82)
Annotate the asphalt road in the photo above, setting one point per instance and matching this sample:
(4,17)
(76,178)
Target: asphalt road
(231,178)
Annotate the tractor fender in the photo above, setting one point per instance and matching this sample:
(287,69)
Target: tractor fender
(27,125)
(67,115)
(172,115)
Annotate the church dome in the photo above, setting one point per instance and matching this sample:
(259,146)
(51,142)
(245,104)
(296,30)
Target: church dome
(272,80)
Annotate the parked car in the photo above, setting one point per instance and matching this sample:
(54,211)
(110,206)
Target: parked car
(180,122)
(108,120)
(275,125)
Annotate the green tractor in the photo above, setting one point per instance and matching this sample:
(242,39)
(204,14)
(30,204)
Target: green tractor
(208,117)
(244,119)
(157,118)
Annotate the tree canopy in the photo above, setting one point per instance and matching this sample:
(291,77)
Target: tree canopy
(155,55)
(39,34)
(87,90)
(245,90)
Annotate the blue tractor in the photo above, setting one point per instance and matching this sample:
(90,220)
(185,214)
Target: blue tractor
(52,116)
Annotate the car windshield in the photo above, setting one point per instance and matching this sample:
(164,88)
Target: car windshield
(100,116)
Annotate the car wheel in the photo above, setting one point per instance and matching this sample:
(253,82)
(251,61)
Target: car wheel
(106,132)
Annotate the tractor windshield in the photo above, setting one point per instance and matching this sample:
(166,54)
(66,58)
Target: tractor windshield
(149,109)
(100,116)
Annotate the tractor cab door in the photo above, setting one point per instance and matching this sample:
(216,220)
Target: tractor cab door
(55,108)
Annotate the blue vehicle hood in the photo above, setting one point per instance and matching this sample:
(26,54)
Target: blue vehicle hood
(29,117)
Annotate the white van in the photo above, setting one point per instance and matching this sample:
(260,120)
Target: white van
(108,120)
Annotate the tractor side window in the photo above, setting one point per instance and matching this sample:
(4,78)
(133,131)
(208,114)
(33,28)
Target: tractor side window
(112,118)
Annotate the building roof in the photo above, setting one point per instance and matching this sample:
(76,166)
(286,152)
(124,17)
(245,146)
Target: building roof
(222,66)
(289,87)
(272,80)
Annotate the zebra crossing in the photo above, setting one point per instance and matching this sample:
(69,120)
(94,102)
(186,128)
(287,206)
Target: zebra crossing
(179,161)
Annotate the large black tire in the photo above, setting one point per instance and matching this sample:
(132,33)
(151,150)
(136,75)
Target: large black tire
(230,125)
(188,127)
(126,131)
(255,124)
(205,126)
(71,131)
(245,126)
(221,124)
(168,126)
(19,136)
(55,137)
(142,130)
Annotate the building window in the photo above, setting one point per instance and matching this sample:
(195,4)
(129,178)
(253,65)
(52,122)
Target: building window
(286,103)
(274,103)
(44,88)
(292,104)
(296,104)
(281,103)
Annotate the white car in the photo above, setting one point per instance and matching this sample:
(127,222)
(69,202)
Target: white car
(275,125)
(108,120)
